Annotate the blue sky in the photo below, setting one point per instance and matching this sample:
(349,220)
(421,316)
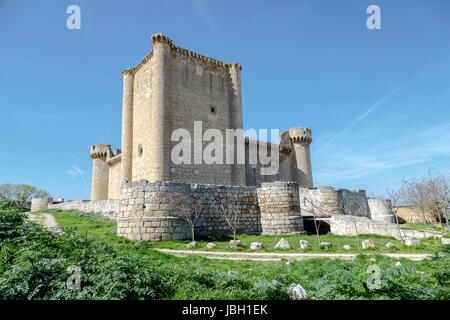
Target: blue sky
(377,101)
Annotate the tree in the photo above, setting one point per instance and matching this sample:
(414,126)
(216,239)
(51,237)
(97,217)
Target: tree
(350,209)
(189,209)
(414,193)
(41,194)
(231,216)
(7,191)
(429,194)
(308,203)
(395,195)
(23,193)
(437,186)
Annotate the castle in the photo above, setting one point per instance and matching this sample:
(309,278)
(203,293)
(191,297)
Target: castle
(170,89)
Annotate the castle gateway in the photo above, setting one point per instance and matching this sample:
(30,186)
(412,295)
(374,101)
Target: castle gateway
(171,88)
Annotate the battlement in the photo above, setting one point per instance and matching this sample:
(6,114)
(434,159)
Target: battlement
(160,38)
(300,134)
(100,151)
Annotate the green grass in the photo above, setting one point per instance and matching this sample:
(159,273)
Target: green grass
(222,244)
(427,227)
(196,277)
(105,230)
(88,225)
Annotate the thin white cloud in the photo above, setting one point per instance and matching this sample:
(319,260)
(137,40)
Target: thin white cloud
(421,148)
(76,173)
(373,107)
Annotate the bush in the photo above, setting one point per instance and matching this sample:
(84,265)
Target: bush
(10,205)
(11,224)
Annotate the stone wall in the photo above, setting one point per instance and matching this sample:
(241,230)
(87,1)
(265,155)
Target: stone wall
(107,208)
(381,210)
(280,208)
(333,201)
(345,226)
(148,210)
(39,204)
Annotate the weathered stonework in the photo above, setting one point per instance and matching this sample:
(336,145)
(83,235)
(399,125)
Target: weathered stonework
(109,209)
(39,204)
(280,208)
(327,201)
(345,226)
(381,210)
(170,89)
(147,211)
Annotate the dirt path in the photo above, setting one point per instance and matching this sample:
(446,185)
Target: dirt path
(276,256)
(47,220)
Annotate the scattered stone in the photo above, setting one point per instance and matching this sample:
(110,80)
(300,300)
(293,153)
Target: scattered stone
(371,260)
(288,262)
(235,243)
(304,244)
(398,264)
(211,245)
(282,244)
(366,244)
(297,292)
(420,272)
(229,273)
(445,240)
(411,242)
(256,245)
(193,244)
(346,247)
(325,245)
(389,244)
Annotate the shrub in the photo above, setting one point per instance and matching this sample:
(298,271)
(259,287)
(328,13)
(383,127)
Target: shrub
(11,223)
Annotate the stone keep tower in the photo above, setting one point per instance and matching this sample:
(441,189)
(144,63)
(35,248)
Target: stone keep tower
(295,157)
(170,89)
(174,88)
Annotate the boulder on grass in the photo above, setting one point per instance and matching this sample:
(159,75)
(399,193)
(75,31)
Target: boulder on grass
(325,245)
(296,292)
(211,245)
(256,245)
(411,242)
(304,244)
(398,264)
(282,244)
(389,244)
(192,244)
(235,243)
(445,240)
(366,244)
(346,247)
